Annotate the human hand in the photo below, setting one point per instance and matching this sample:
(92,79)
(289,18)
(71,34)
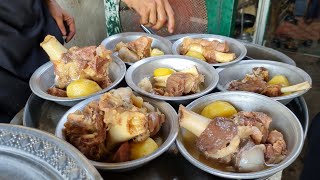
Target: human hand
(62,19)
(153,13)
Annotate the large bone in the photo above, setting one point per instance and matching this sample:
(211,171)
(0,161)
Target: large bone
(192,121)
(298,87)
(53,48)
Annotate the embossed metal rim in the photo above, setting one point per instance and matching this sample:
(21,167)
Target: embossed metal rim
(26,140)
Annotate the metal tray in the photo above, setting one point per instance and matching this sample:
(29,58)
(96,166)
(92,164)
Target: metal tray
(44,115)
(27,153)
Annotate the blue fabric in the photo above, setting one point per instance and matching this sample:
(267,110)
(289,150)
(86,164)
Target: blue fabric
(300,7)
(23,25)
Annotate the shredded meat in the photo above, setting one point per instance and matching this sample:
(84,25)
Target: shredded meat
(87,131)
(83,63)
(57,92)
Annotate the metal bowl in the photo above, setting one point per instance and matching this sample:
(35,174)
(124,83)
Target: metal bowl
(235,46)
(158,42)
(256,51)
(43,78)
(145,68)
(169,131)
(294,74)
(283,120)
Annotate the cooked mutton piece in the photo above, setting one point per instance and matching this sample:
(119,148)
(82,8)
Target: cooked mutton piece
(257,82)
(213,51)
(87,131)
(261,73)
(134,50)
(276,148)
(179,83)
(126,121)
(57,92)
(78,63)
(258,121)
(214,44)
(218,138)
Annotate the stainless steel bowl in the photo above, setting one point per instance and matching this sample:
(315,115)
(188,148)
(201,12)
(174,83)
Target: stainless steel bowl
(235,46)
(169,130)
(158,42)
(256,51)
(43,78)
(145,68)
(294,74)
(283,120)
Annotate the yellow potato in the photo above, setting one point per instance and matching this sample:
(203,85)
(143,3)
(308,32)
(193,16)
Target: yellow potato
(162,72)
(156,52)
(82,87)
(218,109)
(279,79)
(195,54)
(142,149)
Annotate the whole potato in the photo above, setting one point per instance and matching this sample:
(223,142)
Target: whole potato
(142,149)
(218,109)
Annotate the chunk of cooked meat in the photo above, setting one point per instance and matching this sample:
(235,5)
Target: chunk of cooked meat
(128,56)
(123,153)
(210,45)
(257,120)
(220,133)
(138,49)
(87,131)
(261,72)
(257,82)
(272,90)
(57,92)
(181,83)
(83,63)
(276,149)
(156,119)
(251,83)
(141,46)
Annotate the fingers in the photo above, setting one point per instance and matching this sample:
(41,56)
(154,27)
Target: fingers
(153,14)
(144,16)
(60,24)
(72,29)
(170,15)
(161,15)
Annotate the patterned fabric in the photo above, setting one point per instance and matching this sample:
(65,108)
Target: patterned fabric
(112,16)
